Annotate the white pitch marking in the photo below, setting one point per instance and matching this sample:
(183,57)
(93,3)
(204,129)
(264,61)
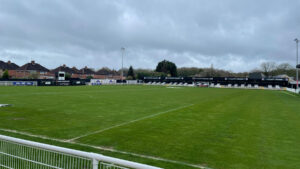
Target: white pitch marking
(143,156)
(289,94)
(32,135)
(71,92)
(107,149)
(129,122)
(4,105)
(5,166)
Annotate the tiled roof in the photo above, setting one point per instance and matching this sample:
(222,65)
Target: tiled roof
(65,68)
(106,71)
(103,71)
(8,65)
(86,71)
(33,66)
(75,70)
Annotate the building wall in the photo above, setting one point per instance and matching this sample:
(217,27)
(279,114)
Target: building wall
(107,77)
(25,74)
(21,74)
(75,75)
(100,76)
(12,73)
(46,75)
(84,76)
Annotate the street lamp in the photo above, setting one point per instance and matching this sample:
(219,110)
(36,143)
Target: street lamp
(123,51)
(297,41)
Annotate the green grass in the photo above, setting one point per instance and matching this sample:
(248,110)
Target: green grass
(217,128)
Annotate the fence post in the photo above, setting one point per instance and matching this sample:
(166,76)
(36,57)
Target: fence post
(95,163)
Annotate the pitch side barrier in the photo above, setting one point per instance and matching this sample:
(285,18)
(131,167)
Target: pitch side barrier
(41,82)
(19,154)
(69,82)
(283,82)
(18,82)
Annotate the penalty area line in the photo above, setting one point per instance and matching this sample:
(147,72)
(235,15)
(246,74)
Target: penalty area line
(106,149)
(129,122)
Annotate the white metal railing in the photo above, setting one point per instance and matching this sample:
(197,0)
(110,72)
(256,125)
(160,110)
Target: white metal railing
(292,90)
(22,154)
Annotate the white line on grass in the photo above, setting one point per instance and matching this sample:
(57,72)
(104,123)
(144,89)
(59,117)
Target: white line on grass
(289,94)
(129,122)
(72,92)
(106,149)
(143,156)
(32,135)
(5,166)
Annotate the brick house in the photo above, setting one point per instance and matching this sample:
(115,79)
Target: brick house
(106,73)
(34,70)
(86,72)
(11,67)
(73,72)
(76,72)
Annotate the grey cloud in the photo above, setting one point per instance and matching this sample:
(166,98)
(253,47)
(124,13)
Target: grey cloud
(234,35)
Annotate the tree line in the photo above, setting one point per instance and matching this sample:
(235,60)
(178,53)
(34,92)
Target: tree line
(166,68)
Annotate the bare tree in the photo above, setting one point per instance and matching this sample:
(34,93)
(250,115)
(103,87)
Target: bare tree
(268,68)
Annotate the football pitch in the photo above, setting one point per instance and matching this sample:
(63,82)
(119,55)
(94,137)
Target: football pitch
(181,127)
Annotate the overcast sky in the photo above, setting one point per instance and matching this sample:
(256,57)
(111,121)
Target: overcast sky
(236,35)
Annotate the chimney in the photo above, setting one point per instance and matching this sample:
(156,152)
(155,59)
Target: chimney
(85,67)
(33,62)
(64,65)
(8,62)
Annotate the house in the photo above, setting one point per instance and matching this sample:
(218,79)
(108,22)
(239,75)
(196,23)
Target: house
(103,73)
(86,72)
(73,72)
(34,70)
(76,72)
(11,67)
(106,73)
